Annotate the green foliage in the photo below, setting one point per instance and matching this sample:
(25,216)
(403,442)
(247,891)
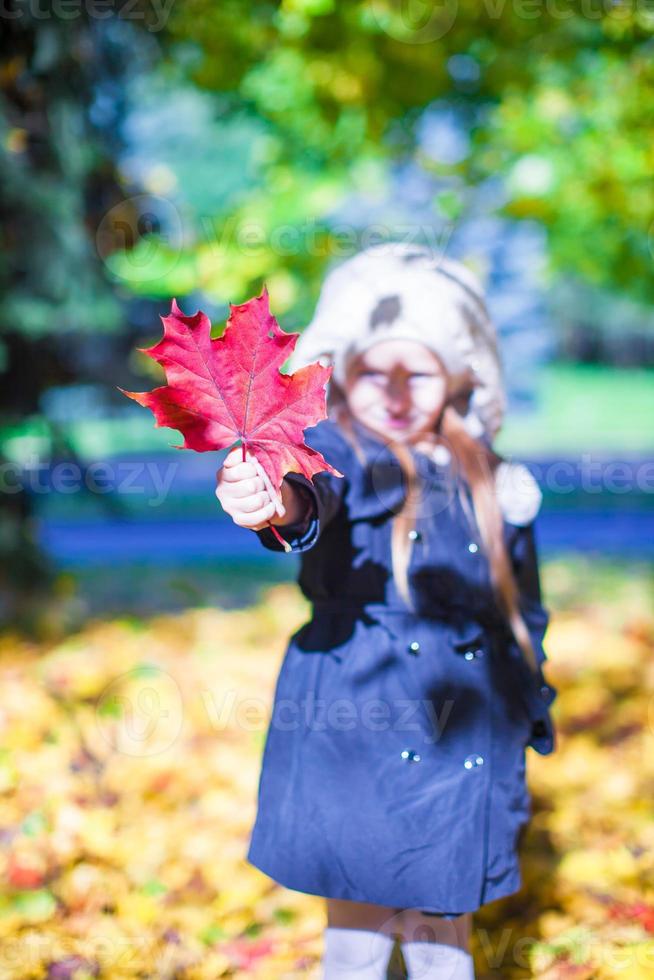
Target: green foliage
(577,152)
(51,159)
(557,100)
(58,179)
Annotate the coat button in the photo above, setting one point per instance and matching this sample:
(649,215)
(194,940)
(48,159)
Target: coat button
(473,760)
(414,647)
(414,535)
(410,755)
(473,547)
(545,692)
(471,654)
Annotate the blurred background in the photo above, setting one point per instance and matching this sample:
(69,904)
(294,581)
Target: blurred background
(153,149)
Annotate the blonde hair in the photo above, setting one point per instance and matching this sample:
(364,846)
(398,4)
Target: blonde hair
(477,463)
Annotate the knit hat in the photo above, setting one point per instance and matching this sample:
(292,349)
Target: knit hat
(397,290)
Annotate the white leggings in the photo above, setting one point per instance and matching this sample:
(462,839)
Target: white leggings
(430,953)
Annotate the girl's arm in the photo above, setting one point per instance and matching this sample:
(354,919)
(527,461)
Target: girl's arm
(317,500)
(297,504)
(524,557)
(308,505)
(323,496)
(520,497)
(538,692)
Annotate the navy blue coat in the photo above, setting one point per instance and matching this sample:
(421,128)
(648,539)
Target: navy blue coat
(394,765)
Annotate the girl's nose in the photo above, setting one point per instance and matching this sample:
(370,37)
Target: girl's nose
(398,396)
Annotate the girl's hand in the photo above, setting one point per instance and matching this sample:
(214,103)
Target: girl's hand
(245,493)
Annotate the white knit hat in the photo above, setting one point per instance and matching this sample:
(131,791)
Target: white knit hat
(397,290)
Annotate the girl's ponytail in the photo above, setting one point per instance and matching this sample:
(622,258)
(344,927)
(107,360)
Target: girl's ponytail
(479,463)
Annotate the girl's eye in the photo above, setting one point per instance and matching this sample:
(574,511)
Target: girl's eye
(379,377)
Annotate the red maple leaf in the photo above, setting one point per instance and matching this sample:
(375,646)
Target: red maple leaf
(229,388)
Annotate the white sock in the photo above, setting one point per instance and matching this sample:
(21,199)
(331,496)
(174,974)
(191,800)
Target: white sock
(355,954)
(437,961)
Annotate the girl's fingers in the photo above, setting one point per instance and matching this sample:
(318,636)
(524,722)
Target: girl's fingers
(245,488)
(241,503)
(254,502)
(237,471)
(274,496)
(246,478)
(233,457)
(256,517)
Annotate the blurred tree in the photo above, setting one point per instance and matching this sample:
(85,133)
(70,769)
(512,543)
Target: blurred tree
(305,104)
(58,141)
(558,101)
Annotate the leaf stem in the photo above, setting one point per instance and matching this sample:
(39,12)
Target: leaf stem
(281,540)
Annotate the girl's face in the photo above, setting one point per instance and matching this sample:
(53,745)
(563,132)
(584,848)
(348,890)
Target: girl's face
(397,388)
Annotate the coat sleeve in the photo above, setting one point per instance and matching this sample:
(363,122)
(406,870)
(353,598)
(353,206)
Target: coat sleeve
(524,557)
(538,692)
(324,494)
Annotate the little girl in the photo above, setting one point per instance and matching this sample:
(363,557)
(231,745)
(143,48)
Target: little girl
(393,775)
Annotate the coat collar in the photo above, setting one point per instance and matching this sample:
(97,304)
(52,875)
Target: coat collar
(380,488)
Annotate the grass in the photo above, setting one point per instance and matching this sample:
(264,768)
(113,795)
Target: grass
(585,408)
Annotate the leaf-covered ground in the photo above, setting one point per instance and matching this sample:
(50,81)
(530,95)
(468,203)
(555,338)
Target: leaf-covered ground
(129,763)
